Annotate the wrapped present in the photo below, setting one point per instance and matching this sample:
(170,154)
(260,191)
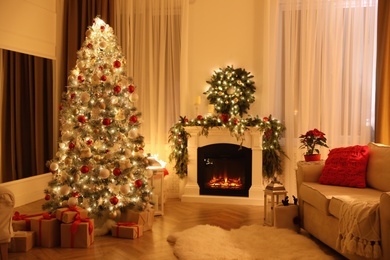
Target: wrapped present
(127,230)
(47,230)
(144,218)
(22,241)
(68,215)
(21,222)
(80,233)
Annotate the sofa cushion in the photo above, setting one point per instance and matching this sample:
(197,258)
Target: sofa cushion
(346,166)
(351,194)
(378,168)
(328,198)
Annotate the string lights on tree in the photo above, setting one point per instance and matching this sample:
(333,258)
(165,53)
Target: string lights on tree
(100,163)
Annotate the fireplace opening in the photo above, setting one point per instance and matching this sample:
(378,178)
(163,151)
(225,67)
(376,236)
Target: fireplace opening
(224,170)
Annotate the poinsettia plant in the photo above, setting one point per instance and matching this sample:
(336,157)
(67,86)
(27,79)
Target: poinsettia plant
(311,139)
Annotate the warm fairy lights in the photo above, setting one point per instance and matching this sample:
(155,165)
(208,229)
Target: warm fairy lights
(100,148)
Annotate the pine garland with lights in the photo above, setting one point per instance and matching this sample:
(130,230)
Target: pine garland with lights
(231,91)
(272,129)
(100,163)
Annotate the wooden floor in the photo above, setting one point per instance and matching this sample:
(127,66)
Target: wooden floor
(153,244)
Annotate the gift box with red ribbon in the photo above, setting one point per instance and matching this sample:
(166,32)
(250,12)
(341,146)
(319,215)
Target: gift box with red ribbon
(47,230)
(21,222)
(144,218)
(22,241)
(127,230)
(67,215)
(78,234)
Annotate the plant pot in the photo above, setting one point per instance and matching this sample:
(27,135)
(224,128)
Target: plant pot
(312,157)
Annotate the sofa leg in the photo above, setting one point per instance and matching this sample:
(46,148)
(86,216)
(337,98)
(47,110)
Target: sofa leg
(4,251)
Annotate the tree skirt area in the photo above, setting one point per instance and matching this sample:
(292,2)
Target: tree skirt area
(247,242)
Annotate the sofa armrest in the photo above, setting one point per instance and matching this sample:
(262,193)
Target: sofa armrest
(309,171)
(384,211)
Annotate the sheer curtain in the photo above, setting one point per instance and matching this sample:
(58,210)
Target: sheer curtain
(149,32)
(323,75)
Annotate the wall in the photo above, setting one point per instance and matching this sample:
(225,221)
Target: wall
(28,26)
(222,33)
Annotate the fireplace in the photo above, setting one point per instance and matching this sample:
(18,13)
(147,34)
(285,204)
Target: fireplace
(224,170)
(192,191)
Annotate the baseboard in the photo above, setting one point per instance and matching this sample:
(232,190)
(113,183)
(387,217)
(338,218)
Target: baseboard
(29,189)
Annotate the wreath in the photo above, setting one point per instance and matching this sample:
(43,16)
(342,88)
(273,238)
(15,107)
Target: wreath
(231,91)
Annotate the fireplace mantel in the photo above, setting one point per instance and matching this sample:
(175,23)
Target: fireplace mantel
(252,139)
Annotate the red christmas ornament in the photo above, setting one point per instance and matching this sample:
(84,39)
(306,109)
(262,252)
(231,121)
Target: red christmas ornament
(138,183)
(224,118)
(265,119)
(89,45)
(80,78)
(47,197)
(114,200)
(81,119)
(107,151)
(103,78)
(106,121)
(236,121)
(131,88)
(60,107)
(71,146)
(75,194)
(185,120)
(117,64)
(133,119)
(89,142)
(102,28)
(199,117)
(117,89)
(100,67)
(72,96)
(84,169)
(117,172)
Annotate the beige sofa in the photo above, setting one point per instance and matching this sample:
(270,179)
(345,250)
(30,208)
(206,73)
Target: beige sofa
(320,206)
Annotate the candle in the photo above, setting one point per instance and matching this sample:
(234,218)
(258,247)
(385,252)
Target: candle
(197,100)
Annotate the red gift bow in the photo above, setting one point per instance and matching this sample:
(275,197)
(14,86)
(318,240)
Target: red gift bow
(18,216)
(71,208)
(75,225)
(126,224)
(45,216)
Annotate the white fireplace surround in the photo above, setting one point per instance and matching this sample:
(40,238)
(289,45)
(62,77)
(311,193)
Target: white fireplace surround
(253,140)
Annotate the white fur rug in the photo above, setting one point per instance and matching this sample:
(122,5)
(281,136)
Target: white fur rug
(247,242)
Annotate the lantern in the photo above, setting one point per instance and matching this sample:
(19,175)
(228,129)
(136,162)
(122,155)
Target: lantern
(274,193)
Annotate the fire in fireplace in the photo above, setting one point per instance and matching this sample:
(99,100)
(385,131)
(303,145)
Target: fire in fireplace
(224,170)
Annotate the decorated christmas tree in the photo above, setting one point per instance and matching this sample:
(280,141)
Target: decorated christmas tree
(100,163)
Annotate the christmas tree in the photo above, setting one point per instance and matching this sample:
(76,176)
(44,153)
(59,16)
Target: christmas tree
(100,163)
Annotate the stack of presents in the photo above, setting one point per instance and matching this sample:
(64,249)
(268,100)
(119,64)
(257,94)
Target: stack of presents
(71,228)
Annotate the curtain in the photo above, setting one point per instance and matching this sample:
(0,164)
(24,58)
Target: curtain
(27,117)
(149,32)
(382,119)
(323,73)
(78,15)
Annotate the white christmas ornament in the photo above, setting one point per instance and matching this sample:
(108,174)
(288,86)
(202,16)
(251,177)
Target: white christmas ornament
(85,97)
(104,173)
(125,189)
(64,190)
(148,173)
(72,202)
(85,153)
(134,97)
(133,133)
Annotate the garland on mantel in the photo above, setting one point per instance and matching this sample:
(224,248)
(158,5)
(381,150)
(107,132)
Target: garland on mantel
(272,129)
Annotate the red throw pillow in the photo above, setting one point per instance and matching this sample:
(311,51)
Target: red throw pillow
(346,166)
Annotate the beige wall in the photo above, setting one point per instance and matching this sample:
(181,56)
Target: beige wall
(28,26)
(222,33)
